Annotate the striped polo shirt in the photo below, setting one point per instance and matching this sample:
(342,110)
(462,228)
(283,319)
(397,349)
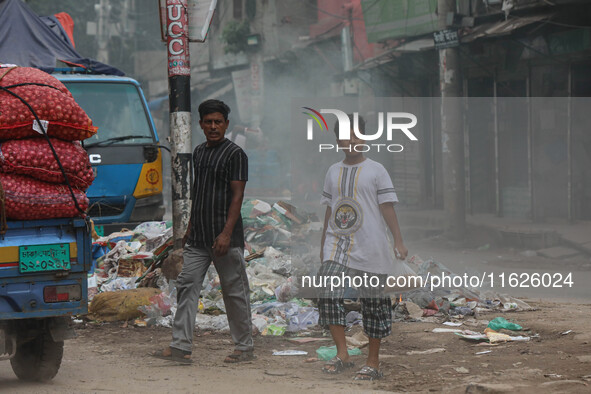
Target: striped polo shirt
(214,167)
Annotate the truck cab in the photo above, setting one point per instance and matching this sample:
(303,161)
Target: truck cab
(124,154)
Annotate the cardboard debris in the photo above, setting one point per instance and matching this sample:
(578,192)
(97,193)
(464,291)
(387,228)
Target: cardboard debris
(358,340)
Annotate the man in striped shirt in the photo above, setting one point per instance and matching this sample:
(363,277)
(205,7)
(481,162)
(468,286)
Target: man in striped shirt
(215,234)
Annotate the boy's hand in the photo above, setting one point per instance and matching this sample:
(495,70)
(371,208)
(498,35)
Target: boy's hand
(400,252)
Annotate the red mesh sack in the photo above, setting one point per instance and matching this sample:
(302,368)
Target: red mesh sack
(29,199)
(33,157)
(50,99)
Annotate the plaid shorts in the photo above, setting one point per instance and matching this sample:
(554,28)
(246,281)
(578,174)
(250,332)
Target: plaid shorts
(376,308)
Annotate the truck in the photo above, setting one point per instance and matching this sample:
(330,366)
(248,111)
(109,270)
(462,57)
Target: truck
(43,282)
(124,154)
(44,263)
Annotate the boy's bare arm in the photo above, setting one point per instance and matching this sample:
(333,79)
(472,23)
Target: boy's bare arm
(326,219)
(389,214)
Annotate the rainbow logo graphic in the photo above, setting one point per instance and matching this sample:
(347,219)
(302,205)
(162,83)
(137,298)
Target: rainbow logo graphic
(315,115)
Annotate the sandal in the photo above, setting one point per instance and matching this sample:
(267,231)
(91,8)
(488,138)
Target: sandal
(244,355)
(176,355)
(338,366)
(369,373)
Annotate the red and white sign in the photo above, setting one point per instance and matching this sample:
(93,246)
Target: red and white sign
(199,13)
(177,26)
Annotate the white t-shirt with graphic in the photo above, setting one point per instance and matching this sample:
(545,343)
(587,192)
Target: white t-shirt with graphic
(357,235)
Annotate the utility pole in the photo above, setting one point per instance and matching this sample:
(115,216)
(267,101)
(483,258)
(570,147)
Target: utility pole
(103,9)
(179,78)
(454,196)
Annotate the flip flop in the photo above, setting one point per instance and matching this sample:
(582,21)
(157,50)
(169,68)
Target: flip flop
(244,355)
(338,364)
(176,355)
(369,373)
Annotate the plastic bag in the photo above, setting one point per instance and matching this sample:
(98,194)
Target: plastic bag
(160,305)
(31,199)
(60,115)
(151,229)
(33,157)
(500,322)
(406,278)
(286,291)
(306,317)
(215,323)
(325,353)
(279,262)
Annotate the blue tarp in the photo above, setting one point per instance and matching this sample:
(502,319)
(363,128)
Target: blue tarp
(28,40)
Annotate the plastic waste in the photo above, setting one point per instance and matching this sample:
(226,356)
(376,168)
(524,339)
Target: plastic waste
(260,322)
(290,353)
(215,323)
(274,330)
(277,261)
(406,278)
(353,318)
(306,317)
(119,284)
(462,310)
(500,322)
(286,291)
(327,352)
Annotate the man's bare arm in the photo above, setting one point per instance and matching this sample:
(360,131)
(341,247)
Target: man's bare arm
(222,242)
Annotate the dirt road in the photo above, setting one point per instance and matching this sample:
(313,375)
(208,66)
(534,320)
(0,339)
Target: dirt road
(111,358)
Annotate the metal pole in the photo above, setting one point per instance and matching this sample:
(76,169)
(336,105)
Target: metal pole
(103,9)
(432,153)
(454,197)
(179,78)
(497,153)
(530,146)
(569,147)
(467,157)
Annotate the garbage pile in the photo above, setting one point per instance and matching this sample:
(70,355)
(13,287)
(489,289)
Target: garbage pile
(277,252)
(143,257)
(44,170)
(127,259)
(459,302)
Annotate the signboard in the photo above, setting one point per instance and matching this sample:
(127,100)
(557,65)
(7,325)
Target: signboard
(446,39)
(176,40)
(200,14)
(389,19)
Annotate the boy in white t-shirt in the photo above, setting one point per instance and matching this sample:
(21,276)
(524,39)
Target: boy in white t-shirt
(360,202)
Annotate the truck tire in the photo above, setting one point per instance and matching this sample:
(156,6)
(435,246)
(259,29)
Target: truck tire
(38,360)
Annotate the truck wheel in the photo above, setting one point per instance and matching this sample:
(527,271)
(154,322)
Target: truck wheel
(38,360)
